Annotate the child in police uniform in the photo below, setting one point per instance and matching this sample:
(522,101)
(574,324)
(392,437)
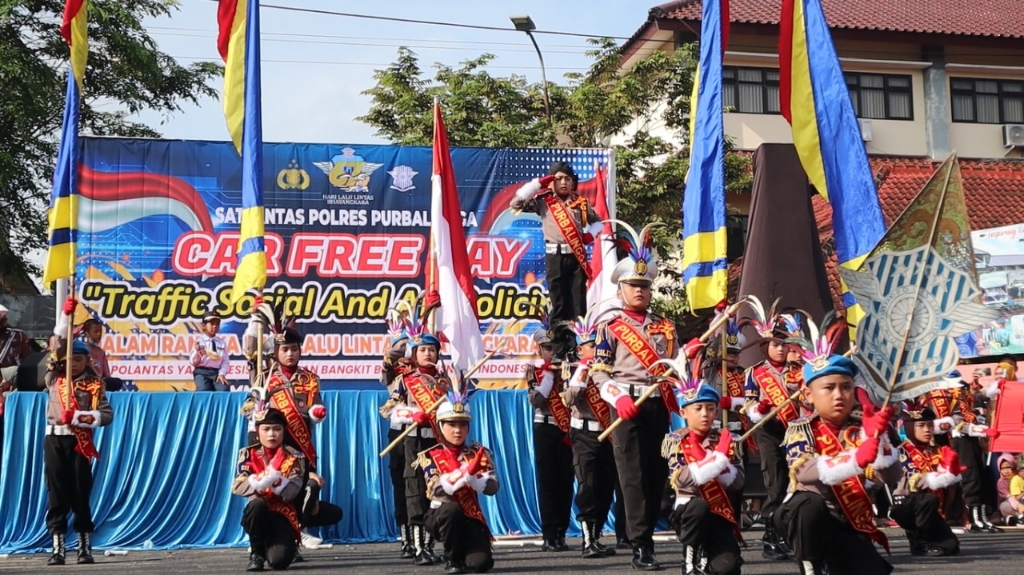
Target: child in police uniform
(73,411)
(456,471)
(927,471)
(270,475)
(704,468)
(827,517)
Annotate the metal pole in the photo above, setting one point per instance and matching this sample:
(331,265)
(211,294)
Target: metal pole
(543,77)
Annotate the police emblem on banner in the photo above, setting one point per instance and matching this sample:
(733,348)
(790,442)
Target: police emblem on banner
(940,301)
(401,178)
(348,171)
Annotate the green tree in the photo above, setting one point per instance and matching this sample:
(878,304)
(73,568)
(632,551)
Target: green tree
(644,110)
(126,74)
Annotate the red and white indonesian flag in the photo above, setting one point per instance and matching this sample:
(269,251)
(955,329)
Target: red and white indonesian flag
(450,274)
(602,256)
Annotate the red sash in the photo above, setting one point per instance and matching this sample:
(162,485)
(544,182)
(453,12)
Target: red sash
(598,406)
(966,401)
(645,353)
(924,464)
(734,381)
(714,493)
(570,231)
(776,392)
(851,494)
(274,502)
(465,497)
(559,410)
(297,427)
(940,401)
(423,395)
(83,435)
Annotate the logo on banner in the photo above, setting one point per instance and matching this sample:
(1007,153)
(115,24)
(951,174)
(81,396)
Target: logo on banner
(293,177)
(401,178)
(349,172)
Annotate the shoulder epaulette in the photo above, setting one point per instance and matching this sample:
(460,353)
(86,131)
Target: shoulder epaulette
(671,445)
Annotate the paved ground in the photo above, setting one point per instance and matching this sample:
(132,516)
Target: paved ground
(982,554)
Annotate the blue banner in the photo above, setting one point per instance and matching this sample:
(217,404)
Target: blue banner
(347,230)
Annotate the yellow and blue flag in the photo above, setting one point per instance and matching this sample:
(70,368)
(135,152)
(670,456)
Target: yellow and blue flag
(238,41)
(705,267)
(814,99)
(62,255)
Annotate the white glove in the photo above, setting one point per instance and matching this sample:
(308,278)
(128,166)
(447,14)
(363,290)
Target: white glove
(402,415)
(547,381)
(264,480)
(479,482)
(454,481)
(77,421)
(528,190)
(712,466)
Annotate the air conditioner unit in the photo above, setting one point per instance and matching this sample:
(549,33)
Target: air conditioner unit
(865,130)
(1013,135)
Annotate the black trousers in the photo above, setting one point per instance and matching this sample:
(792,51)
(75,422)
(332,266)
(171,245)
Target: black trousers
(327,513)
(816,535)
(920,511)
(68,485)
(974,482)
(594,462)
(696,525)
(554,479)
(567,290)
(270,534)
(621,533)
(464,539)
(773,465)
(396,464)
(416,502)
(642,469)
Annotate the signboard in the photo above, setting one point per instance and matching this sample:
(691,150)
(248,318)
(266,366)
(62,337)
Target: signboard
(999,259)
(347,231)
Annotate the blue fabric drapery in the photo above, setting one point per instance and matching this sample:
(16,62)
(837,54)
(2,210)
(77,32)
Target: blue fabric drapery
(168,460)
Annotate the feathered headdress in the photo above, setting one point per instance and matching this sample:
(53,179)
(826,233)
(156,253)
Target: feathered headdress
(640,263)
(278,322)
(688,381)
(416,325)
(398,320)
(820,342)
(916,410)
(542,335)
(585,327)
(764,321)
(790,322)
(454,408)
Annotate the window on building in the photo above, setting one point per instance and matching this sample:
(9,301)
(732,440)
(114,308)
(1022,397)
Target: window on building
(751,90)
(880,96)
(987,101)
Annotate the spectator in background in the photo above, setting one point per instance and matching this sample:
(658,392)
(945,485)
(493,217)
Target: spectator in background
(92,331)
(210,359)
(15,346)
(1010,506)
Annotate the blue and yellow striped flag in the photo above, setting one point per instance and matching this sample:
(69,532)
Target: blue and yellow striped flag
(705,268)
(814,98)
(62,255)
(239,44)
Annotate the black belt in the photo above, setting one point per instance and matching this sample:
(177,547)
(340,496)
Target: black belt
(213,369)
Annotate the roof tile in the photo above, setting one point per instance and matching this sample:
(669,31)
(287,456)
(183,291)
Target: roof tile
(958,17)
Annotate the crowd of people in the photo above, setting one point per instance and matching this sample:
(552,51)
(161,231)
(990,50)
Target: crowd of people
(603,394)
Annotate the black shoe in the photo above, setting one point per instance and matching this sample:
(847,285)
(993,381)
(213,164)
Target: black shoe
(561,545)
(644,559)
(604,549)
(454,567)
(298,557)
(255,563)
(623,544)
(57,558)
(550,544)
(85,549)
(425,557)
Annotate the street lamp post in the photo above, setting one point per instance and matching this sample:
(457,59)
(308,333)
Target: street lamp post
(524,23)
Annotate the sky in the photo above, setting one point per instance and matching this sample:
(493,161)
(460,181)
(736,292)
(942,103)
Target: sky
(314,66)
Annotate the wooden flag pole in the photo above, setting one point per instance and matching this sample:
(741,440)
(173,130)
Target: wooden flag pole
(405,433)
(917,290)
(725,384)
(715,325)
(71,332)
